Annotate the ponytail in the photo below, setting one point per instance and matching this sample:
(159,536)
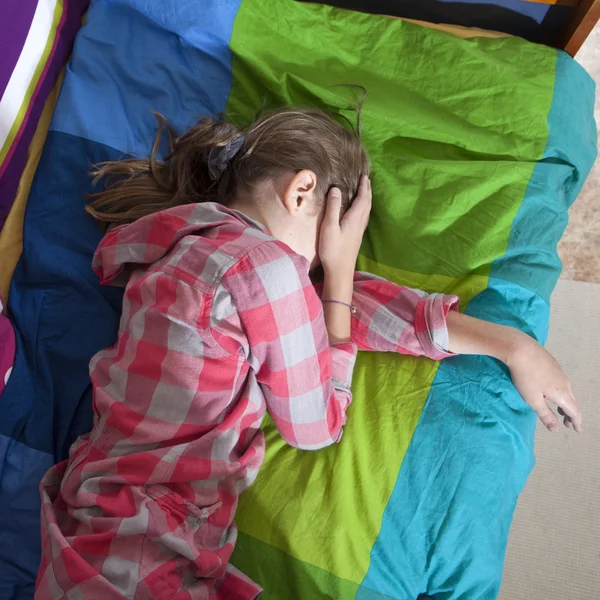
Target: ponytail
(189,173)
(214,159)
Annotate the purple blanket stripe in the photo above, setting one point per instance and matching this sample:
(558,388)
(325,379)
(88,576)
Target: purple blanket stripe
(15,21)
(68,27)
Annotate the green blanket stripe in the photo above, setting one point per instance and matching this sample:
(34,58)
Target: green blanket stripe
(344,489)
(285,573)
(426,124)
(438,150)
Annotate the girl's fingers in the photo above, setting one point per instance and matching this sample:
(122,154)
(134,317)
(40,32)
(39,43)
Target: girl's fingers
(365,194)
(566,418)
(361,207)
(363,197)
(547,417)
(567,403)
(364,187)
(334,206)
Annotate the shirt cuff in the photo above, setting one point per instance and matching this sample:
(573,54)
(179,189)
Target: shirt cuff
(430,324)
(343,357)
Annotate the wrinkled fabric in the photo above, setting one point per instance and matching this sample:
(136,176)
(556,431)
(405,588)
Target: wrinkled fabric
(220,323)
(7,346)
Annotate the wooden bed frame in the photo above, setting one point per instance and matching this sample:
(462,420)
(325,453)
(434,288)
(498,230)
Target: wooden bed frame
(564,24)
(585,15)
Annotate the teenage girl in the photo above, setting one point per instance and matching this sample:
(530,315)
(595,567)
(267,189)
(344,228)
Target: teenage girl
(221,322)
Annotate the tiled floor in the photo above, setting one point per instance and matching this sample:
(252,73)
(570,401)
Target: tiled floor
(580,246)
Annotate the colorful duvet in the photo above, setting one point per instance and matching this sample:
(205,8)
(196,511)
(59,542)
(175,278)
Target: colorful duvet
(478,147)
(35,39)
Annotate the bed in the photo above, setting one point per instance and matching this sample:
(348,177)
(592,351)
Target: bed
(563,24)
(479,145)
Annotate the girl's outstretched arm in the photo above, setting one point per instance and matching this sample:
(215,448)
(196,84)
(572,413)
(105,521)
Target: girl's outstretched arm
(392,318)
(535,373)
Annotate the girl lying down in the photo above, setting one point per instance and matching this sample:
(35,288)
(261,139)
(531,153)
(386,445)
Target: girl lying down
(215,246)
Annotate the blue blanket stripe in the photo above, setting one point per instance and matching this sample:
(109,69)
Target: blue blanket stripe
(21,469)
(160,59)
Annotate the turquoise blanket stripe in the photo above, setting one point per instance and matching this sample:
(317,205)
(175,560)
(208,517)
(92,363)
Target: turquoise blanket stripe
(445,529)
(531,259)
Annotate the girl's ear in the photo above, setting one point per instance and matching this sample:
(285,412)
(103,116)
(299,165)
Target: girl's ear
(298,195)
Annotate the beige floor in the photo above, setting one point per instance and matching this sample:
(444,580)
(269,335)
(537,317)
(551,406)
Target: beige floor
(580,246)
(554,547)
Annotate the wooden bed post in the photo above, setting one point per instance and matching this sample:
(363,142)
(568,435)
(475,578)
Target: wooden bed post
(585,16)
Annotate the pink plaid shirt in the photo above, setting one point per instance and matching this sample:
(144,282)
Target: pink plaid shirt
(220,323)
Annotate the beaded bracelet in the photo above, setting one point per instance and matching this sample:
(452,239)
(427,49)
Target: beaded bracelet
(352,308)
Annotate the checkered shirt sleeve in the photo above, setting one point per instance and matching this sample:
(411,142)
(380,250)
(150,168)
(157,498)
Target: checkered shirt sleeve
(304,380)
(393,318)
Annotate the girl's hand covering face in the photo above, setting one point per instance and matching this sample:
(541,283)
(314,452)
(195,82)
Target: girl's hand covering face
(340,239)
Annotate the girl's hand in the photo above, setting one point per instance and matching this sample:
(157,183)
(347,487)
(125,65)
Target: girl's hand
(541,381)
(535,373)
(339,241)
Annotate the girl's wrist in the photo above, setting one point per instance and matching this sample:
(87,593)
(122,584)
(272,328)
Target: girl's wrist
(520,346)
(468,335)
(338,285)
(339,273)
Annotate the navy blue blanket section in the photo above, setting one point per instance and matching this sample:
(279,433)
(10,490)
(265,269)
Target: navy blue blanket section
(47,402)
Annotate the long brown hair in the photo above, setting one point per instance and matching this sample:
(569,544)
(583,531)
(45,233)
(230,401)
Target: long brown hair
(290,139)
